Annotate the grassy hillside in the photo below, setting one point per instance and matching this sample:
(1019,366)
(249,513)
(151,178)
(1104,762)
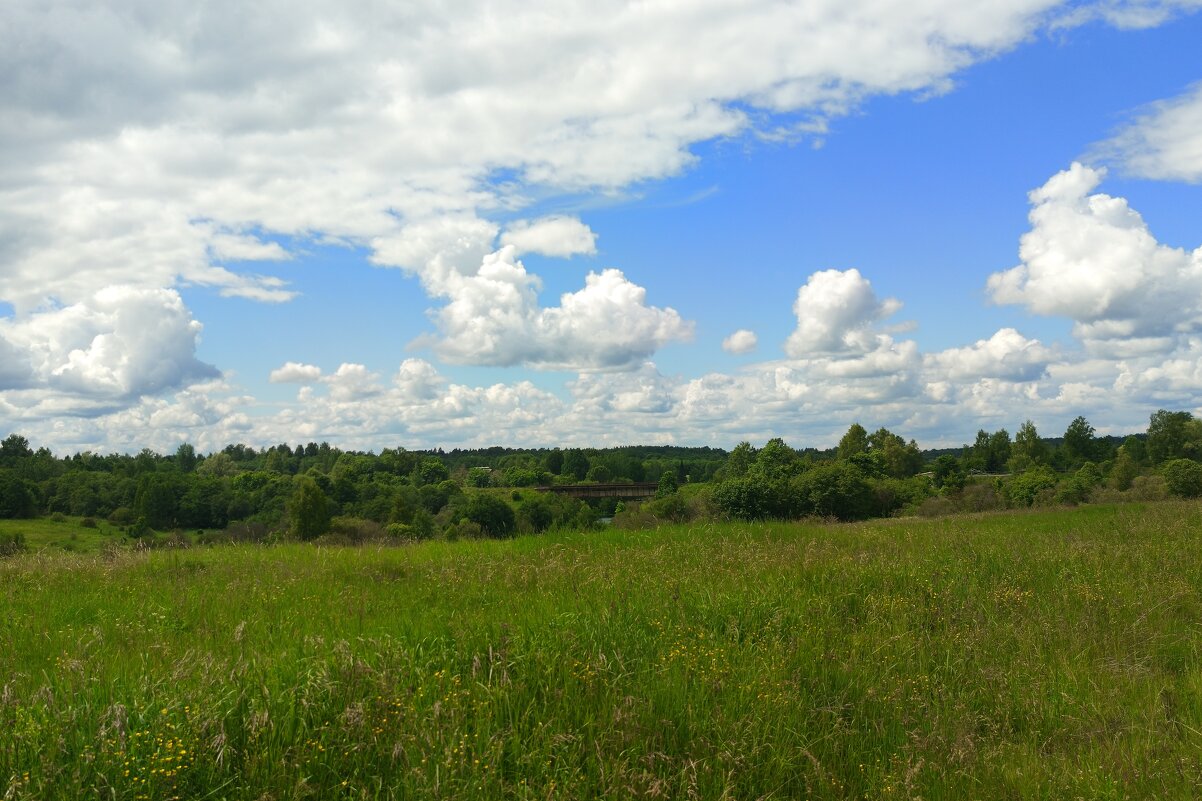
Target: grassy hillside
(63,533)
(1042,655)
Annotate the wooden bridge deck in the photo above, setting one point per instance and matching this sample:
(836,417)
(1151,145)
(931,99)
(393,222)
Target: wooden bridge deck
(633,491)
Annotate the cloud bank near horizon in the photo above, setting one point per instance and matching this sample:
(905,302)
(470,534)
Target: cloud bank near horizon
(839,368)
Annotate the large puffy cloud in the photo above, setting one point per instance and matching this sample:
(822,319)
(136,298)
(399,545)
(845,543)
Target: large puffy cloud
(1164,141)
(1090,257)
(69,240)
(352,382)
(493,317)
(417,380)
(438,249)
(1006,355)
(836,311)
(124,342)
(142,147)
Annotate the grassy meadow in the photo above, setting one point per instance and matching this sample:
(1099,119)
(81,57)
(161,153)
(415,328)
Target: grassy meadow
(64,534)
(1051,654)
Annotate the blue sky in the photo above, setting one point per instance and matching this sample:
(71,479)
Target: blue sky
(353,225)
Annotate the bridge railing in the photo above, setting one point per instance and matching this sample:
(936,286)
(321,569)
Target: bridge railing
(639,490)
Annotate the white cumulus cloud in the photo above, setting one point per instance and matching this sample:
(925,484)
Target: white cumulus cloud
(1006,355)
(295,373)
(123,342)
(1090,257)
(741,341)
(353,382)
(836,311)
(493,317)
(551,236)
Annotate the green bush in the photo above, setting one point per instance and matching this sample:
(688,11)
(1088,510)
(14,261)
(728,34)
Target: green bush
(634,518)
(1074,490)
(356,529)
(1023,489)
(584,519)
(494,517)
(937,506)
(1182,477)
(947,473)
(332,540)
(464,530)
(834,490)
(399,531)
(1148,488)
(979,497)
(1079,487)
(422,524)
(893,494)
(16,497)
(535,514)
(672,508)
(121,516)
(744,499)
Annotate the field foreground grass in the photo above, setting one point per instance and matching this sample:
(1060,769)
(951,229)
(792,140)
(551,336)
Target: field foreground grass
(1044,655)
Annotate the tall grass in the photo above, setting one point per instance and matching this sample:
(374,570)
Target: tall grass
(1040,655)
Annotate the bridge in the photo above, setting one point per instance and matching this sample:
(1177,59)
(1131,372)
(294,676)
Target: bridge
(629,491)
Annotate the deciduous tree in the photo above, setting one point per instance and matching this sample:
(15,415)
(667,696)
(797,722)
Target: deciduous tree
(1028,449)
(493,515)
(575,464)
(853,442)
(1172,435)
(308,510)
(1079,442)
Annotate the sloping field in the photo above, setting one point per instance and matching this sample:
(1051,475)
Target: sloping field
(66,534)
(1044,655)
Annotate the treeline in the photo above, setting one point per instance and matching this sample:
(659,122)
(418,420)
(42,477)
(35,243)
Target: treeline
(880,474)
(315,490)
(310,490)
(520,467)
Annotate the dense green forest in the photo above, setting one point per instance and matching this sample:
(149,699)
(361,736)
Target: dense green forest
(315,490)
